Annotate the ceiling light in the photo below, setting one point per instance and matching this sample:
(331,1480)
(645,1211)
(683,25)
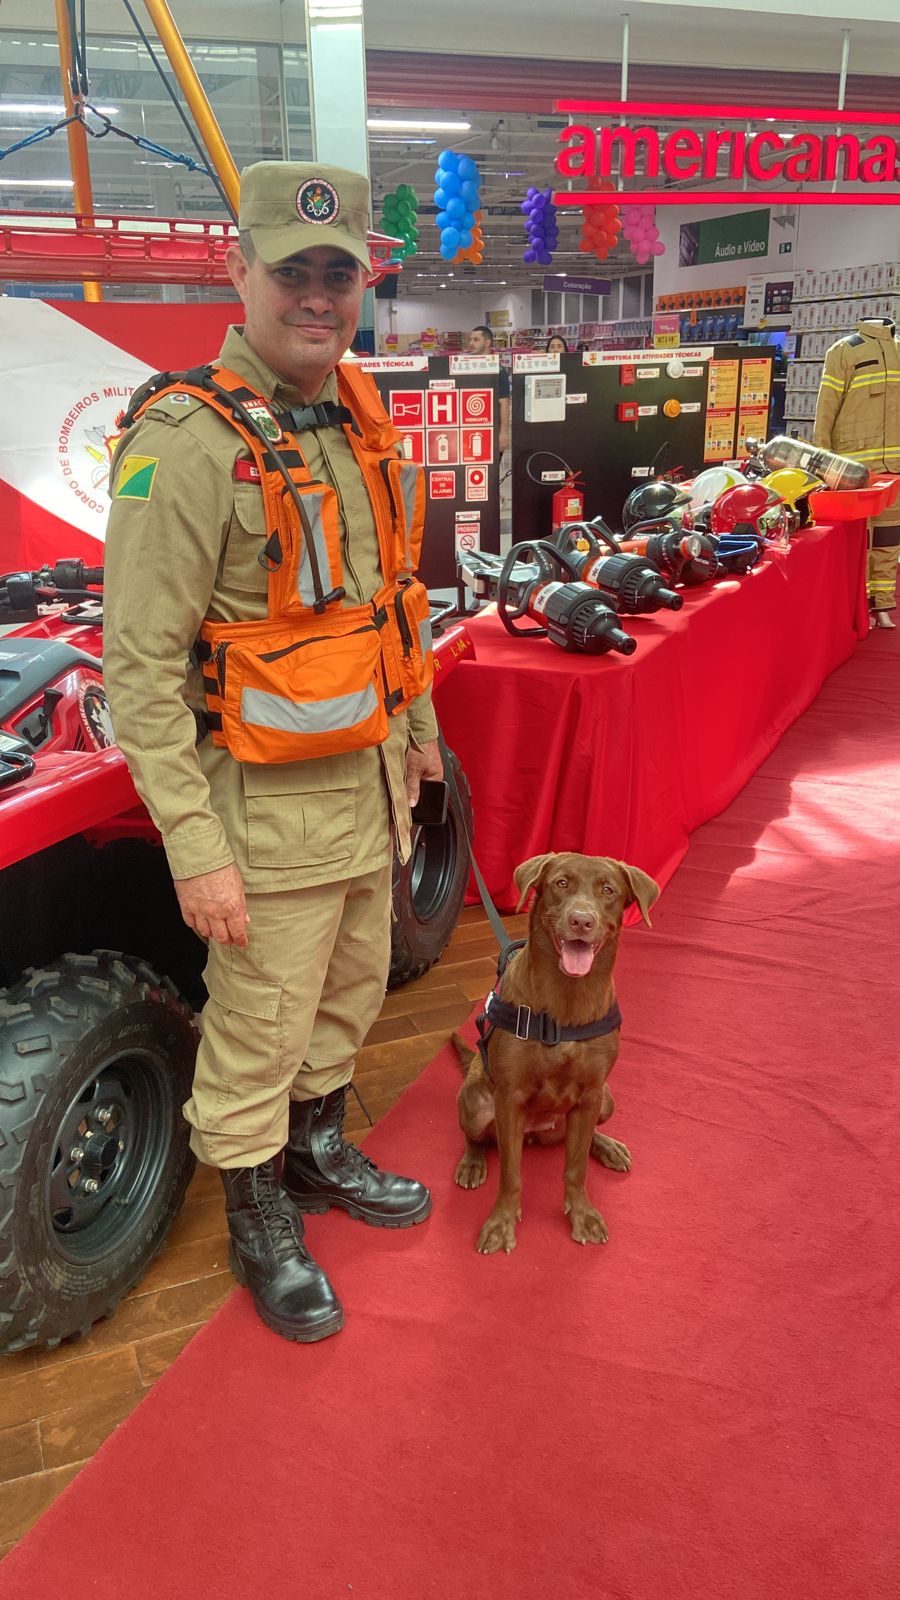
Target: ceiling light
(36,183)
(34,108)
(442,127)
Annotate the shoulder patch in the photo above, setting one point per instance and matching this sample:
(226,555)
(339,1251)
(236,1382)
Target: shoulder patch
(174,406)
(134,479)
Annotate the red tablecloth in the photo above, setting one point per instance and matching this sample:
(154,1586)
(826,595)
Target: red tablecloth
(624,757)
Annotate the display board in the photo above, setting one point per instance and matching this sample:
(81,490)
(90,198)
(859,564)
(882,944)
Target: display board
(612,412)
(447,411)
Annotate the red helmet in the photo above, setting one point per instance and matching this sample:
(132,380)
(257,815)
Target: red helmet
(749,509)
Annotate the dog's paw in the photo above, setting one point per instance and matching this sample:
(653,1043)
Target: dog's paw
(588,1227)
(611,1152)
(498,1233)
(472,1171)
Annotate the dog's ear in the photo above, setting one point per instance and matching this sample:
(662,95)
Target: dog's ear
(642,888)
(526,875)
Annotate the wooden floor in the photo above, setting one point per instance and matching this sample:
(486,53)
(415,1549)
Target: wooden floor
(57,1407)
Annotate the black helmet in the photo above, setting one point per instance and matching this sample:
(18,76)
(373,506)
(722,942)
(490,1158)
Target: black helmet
(652,501)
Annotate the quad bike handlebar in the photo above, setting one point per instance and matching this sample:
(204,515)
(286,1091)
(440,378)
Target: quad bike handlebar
(22,592)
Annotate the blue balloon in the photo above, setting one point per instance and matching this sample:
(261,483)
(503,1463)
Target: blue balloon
(529,256)
(468,220)
(544,257)
(447,160)
(451,184)
(443,219)
(440,198)
(456,208)
(448,252)
(467,168)
(450,239)
(466,237)
(525,208)
(469,192)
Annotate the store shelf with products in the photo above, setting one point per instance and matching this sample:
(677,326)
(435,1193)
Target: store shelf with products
(827,306)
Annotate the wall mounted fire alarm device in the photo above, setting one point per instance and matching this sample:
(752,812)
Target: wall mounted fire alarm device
(545,397)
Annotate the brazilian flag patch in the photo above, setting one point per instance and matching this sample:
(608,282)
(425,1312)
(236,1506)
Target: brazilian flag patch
(134,480)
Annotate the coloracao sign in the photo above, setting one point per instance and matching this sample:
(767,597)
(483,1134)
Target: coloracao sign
(830,151)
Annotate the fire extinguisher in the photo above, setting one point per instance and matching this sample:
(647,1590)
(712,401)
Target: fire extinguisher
(567,504)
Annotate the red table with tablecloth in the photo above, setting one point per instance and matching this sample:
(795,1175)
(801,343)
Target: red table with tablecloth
(626,756)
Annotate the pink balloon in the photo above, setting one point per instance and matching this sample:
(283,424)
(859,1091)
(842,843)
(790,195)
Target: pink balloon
(658,249)
(642,258)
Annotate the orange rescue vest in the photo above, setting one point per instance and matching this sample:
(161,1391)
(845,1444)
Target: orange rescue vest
(315,677)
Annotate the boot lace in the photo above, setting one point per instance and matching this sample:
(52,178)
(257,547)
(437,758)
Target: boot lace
(352,1157)
(275,1213)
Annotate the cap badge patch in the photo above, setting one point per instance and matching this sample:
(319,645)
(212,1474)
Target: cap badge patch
(318,201)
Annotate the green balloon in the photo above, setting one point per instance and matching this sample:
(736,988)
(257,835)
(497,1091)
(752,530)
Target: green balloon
(414,234)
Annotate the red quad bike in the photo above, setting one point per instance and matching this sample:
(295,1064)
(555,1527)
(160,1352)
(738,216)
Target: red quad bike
(100,979)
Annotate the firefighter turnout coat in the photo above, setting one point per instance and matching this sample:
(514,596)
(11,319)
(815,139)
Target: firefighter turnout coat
(858,409)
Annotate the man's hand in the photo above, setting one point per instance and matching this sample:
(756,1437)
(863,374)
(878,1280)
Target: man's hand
(421,764)
(213,905)
(503,438)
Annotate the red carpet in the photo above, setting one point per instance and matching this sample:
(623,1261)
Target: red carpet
(708,1406)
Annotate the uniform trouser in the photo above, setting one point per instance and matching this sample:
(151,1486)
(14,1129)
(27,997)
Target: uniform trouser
(881,579)
(286,1015)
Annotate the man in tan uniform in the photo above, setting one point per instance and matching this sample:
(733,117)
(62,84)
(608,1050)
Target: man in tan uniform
(284,869)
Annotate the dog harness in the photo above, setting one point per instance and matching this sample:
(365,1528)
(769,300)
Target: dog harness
(537,1025)
(316,677)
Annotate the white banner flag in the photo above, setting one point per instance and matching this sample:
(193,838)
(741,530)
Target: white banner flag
(63,388)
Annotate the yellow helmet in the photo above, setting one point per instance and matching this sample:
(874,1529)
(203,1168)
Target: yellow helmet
(795,486)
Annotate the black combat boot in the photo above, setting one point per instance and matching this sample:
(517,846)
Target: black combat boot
(321,1169)
(267,1254)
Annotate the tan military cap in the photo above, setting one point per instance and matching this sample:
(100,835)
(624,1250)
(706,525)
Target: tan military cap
(288,206)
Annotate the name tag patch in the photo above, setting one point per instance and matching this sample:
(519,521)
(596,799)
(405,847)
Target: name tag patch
(246,472)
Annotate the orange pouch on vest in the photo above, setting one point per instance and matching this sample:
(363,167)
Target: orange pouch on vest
(412,636)
(286,693)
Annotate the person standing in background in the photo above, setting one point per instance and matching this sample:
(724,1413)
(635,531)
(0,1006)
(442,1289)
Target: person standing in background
(481,343)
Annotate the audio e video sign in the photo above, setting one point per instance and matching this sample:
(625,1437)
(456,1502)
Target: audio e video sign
(673,140)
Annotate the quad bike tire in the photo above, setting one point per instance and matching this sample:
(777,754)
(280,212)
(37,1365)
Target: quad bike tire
(96,1059)
(429,889)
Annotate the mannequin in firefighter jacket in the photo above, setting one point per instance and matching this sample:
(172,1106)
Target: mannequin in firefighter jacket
(858,415)
(279,825)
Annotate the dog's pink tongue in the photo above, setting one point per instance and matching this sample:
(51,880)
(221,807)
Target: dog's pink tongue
(577,957)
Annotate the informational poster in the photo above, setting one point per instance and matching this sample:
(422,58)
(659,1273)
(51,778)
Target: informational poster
(756,374)
(721,410)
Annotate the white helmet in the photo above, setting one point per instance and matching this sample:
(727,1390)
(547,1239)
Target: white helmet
(708,485)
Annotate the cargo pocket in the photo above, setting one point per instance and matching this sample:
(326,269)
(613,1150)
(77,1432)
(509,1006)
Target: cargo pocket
(243,1028)
(301,815)
(246,536)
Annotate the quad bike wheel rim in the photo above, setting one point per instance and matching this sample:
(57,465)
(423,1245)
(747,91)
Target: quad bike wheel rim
(107,1156)
(432,868)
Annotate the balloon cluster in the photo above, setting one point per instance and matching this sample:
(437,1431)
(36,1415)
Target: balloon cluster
(642,233)
(602,224)
(400,216)
(541,227)
(458,216)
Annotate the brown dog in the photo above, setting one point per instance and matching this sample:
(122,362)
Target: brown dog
(551,1092)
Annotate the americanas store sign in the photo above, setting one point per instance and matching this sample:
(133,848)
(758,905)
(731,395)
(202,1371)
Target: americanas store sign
(728,145)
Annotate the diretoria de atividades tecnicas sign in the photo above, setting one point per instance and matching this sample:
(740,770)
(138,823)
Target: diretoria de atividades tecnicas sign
(668,143)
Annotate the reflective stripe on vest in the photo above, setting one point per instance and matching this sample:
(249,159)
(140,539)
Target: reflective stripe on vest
(426,637)
(265,710)
(409,478)
(312,505)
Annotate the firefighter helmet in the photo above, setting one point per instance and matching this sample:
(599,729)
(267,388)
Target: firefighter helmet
(714,481)
(795,486)
(750,509)
(652,502)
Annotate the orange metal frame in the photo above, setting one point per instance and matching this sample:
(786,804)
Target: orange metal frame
(37,247)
